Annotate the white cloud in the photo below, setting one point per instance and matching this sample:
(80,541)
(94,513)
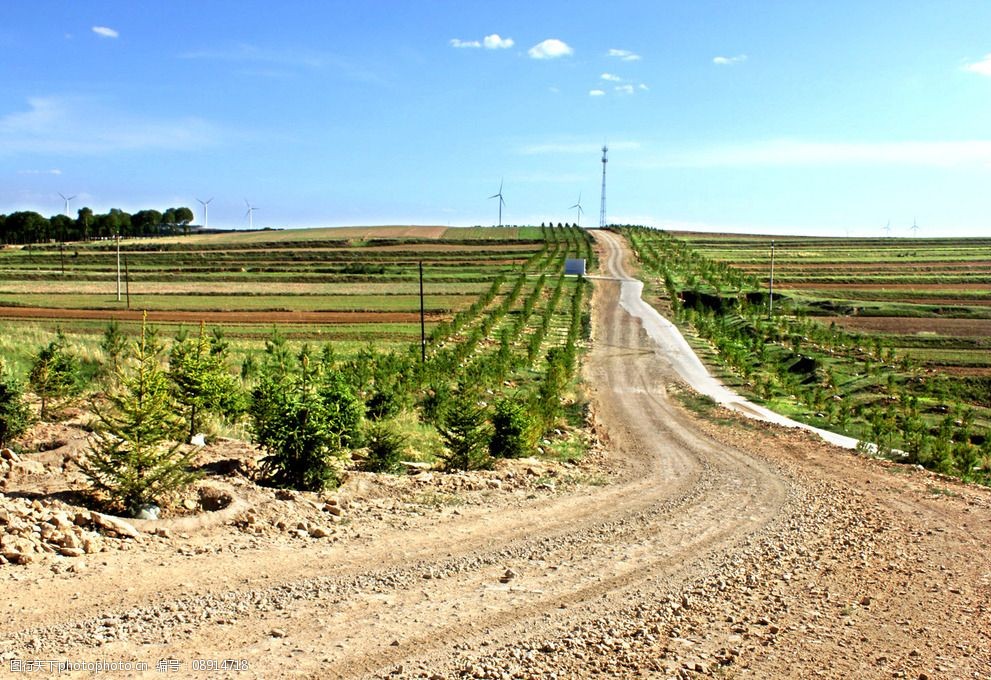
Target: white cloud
(495,42)
(643,87)
(83,126)
(729,61)
(455,42)
(105,32)
(625,55)
(801,153)
(612,77)
(982,67)
(596,93)
(552,48)
(53,171)
(624,89)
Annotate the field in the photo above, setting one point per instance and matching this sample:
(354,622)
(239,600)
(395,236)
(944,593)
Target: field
(496,302)
(342,284)
(888,340)
(928,299)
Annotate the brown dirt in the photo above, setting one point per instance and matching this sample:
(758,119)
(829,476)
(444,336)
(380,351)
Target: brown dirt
(871,285)
(218,317)
(967,328)
(726,549)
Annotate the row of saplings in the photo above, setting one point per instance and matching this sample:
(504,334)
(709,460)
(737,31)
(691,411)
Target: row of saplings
(304,412)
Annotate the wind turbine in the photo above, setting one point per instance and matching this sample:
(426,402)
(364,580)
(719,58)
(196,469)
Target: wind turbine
(501,201)
(66,199)
(887,228)
(250,214)
(915,227)
(579,206)
(205,204)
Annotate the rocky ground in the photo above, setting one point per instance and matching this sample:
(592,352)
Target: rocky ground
(685,545)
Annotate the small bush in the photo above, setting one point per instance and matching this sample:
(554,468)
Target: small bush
(54,374)
(465,432)
(136,459)
(386,445)
(514,430)
(305,422)
(15,416)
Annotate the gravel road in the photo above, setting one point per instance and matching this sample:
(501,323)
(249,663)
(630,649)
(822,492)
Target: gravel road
(719,546)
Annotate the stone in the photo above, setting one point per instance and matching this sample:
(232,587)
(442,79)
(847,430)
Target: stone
(15,557)
(7,454)
(72,552)
(320,532)
(333,509)
(27,467)
(116,525)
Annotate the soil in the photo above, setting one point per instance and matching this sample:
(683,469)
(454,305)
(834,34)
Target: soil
(683,546)
(219,317)
(968,328)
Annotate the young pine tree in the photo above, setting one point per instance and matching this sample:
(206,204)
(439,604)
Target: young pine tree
(136,459)
(514,432)
(464,429)
(14,413)
(305,420)
(54,374)
(201,381)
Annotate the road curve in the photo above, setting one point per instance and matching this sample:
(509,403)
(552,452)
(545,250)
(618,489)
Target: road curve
(672,346)
(433,597)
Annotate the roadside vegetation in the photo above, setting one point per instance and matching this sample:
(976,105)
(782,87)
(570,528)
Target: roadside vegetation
(498,377)
(810,359)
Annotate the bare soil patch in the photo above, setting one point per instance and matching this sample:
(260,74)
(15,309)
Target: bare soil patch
(218,317)
(905,326)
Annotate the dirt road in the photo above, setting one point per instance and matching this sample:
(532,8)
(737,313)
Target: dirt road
(718,546)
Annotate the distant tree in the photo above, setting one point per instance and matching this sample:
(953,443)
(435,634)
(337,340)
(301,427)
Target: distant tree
(54,374)
(61,227)
(183,218)
(135,459)
(26,227)
(147,223)
(121,221)
(169,220)
(84,220)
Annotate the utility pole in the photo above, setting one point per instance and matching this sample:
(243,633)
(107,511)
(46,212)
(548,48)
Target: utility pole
(602,208)
(423,327)
(770,287)
(118,263)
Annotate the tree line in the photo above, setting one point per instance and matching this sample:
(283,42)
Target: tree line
(26,226)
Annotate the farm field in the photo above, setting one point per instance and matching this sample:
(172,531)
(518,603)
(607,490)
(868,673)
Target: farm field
(326,284)
(887,340)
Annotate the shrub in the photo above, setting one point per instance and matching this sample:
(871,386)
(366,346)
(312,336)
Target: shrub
(514,430)
(201,381)
(113,344)
(54,374)
(386,445)
(135,459)
(464,429)
(305,424)
(15,416)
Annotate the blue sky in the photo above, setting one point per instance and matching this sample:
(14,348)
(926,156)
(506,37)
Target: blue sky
(766,116)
